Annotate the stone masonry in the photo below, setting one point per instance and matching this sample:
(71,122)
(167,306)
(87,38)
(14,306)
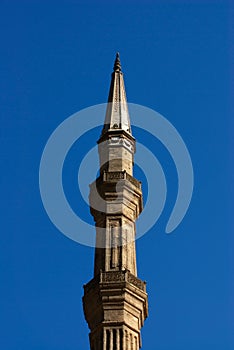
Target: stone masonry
(115,301)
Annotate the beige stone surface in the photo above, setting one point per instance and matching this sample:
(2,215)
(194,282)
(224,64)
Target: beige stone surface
(115,301)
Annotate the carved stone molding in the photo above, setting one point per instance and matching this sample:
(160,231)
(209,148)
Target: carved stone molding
(116,276)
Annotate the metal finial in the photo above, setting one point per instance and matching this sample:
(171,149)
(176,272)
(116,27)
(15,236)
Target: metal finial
(117,65)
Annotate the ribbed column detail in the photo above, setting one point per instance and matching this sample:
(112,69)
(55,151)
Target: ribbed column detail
(104,340)
(117,339)
(111,339)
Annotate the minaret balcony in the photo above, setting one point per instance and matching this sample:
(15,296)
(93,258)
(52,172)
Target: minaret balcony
(116,192)
(114,298)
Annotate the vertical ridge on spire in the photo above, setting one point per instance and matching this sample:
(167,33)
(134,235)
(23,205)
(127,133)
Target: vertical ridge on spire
(117,65)
(117,115)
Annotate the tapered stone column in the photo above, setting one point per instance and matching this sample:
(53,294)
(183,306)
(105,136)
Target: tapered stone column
(115,300)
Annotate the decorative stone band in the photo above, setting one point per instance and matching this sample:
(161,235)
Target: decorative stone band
(116,276)
(114,176)
(120,141)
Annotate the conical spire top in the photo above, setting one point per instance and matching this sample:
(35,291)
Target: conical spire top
(117,65)
(117,116)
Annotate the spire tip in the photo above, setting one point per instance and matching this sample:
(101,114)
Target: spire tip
(117,65)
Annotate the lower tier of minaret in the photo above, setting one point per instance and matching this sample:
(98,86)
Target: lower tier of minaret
(115,306)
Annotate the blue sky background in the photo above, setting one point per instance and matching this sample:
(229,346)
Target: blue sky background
(56,58)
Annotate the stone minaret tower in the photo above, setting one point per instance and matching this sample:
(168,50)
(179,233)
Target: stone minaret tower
(115,300)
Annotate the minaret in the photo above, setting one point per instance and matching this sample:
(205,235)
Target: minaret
(115,300)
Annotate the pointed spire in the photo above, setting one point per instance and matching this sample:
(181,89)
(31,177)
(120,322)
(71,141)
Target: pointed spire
(117,65)
(117,116)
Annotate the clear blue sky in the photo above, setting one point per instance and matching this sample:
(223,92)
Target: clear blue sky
(56,58)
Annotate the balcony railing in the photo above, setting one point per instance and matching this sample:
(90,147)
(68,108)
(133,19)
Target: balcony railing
(114,176)
(115,277)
